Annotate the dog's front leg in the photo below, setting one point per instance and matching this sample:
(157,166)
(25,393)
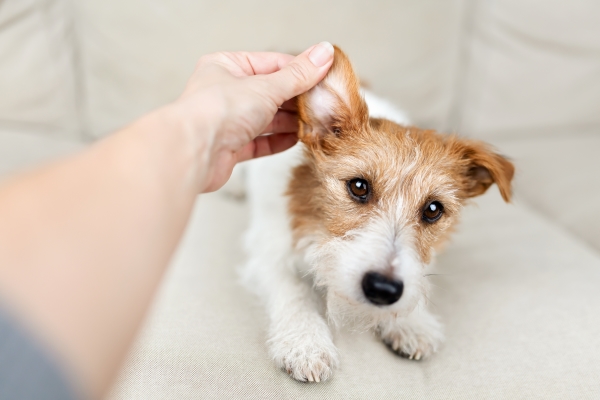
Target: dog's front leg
(415,336)
(300,341)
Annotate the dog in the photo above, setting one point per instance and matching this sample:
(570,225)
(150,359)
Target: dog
(344,226)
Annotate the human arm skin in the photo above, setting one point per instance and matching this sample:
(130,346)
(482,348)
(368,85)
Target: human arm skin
(84,241)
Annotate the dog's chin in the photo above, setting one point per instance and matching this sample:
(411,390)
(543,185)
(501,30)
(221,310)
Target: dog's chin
(360,315)
(337,268)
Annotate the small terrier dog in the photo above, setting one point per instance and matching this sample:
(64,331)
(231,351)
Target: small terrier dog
(345,224)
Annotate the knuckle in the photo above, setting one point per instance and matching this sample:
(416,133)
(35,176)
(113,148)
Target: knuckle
(204,60)
(212,58)
(299,73)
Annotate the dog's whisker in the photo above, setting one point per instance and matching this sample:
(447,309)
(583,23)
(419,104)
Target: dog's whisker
(438,286)
(429,300)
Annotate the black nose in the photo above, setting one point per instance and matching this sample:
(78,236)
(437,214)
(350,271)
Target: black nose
(380,289)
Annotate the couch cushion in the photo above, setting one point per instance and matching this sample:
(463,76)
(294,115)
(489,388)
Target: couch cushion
(558,177)
(137,54)
(529,66)
(20,149)
(519,298)
(37,74)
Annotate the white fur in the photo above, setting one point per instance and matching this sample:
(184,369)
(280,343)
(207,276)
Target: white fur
(380,108)
(285,278)
(323,102)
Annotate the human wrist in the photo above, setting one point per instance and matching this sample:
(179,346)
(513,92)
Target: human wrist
(179,142)
(201,117)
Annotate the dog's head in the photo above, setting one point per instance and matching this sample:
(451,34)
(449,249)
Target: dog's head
(375,199)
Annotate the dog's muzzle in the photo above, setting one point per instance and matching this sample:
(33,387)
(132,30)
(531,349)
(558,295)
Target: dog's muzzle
(381,290)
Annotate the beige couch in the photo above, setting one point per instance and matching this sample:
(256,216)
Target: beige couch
(520,294)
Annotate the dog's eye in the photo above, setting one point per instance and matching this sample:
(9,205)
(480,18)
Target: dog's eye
(433,211)
(359,189)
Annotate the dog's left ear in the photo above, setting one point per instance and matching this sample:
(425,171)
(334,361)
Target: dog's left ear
(482,167)
(334,107)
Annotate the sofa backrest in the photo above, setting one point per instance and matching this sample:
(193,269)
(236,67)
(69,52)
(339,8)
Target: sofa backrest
(38,90)
(486,69)
(138,54)
(529,68)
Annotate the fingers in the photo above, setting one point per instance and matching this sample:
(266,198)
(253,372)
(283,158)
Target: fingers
(267,63)
(300,75)
(290,105)
(283,122)
(273,144)
(267,145)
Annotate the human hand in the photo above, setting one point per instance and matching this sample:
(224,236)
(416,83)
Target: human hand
(232,98)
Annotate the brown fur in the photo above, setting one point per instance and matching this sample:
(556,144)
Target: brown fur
(403,165)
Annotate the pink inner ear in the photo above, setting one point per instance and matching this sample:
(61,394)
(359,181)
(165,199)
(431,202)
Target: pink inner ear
(322,104)
(330,98)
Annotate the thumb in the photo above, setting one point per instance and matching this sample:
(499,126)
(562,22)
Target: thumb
(304,72)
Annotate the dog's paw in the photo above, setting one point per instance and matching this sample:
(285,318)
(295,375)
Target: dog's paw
(305,357)
(413,338)
(309,363)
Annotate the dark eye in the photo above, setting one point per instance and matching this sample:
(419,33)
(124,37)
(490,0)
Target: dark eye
(433,211)
(359,189)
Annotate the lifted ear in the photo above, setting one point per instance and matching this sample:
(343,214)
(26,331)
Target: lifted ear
(483,167)
(334,106)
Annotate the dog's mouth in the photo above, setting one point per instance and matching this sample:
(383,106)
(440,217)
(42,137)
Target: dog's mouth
(359,307)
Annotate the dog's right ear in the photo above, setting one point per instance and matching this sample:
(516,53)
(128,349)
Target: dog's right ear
(334,107)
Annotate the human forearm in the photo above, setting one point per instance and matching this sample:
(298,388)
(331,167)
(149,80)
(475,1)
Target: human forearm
(107,219)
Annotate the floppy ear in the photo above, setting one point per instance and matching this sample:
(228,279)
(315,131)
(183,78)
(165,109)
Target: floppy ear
(483,167)
(334,106)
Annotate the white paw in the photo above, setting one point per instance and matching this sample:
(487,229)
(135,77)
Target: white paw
(305,356)
(414,338)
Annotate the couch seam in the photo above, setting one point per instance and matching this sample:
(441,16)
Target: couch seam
(41,13)
(78,77)
(452,119)
(72,129)
(478,9)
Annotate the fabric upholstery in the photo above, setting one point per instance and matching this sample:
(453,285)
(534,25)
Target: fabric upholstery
(521,322)
(37,70)
(138,54)
(518,290)
(558,177)
(529,67)
(21,150)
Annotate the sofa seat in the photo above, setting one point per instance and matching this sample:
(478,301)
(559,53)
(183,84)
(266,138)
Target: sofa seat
(517,292)
(518,295)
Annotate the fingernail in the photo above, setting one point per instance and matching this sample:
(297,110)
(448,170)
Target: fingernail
(321,54)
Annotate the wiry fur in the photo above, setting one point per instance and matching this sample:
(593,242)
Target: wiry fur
(307,233)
